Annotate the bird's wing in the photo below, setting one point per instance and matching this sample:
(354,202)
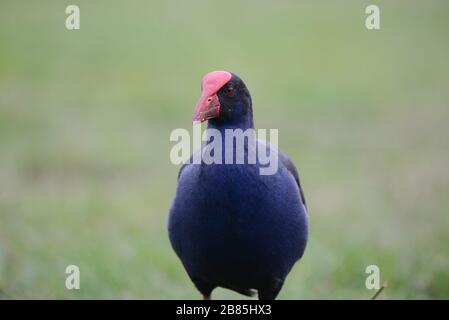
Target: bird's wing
(183,166)
(292,169)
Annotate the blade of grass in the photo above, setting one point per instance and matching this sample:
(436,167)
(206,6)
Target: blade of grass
(379,291)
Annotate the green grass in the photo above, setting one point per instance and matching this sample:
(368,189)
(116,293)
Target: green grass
(85,117)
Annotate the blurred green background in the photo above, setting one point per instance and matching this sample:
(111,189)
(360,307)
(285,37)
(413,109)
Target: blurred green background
(85,118)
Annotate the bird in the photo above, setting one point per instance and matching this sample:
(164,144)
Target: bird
(230,226)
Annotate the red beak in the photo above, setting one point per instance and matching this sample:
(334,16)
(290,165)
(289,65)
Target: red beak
(208,106)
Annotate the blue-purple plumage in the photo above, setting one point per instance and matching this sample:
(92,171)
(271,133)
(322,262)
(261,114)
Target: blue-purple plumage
(233,227)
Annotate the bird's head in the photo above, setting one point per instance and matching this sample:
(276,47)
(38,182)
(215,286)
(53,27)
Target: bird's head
(224,100)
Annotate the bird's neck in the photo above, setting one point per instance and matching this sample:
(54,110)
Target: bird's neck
(243,123)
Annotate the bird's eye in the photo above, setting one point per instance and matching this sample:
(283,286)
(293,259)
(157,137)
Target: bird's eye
(229,91)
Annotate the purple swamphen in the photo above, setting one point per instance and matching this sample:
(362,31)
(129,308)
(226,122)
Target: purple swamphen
(231,226)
